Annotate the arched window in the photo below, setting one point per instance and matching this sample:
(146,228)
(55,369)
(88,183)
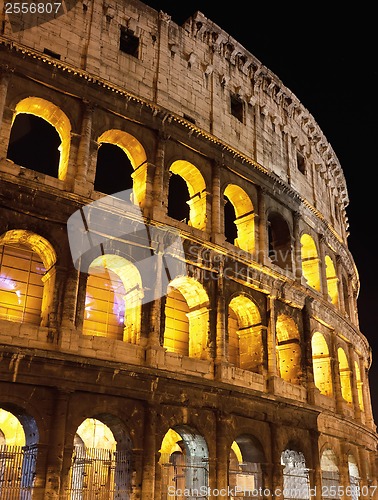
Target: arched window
(186,318)
(310,262)
(332,280)
(40,137)
(240,219)
(330,474)
(354,477)
(113,299)
(121,165)
(195,197)
(245,334)
(184,461)
(288,349)
(279,240)
(296,480)
(344,371)
(101,460)
(245,466)
(26,276)
(321,362)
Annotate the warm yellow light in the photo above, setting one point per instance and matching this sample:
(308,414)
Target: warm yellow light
(332,280)
(170,443)
(288,349)
(95,434)
(244,217)
(310,262)
(321,364)
(344,370)
(11,428)
(359,386)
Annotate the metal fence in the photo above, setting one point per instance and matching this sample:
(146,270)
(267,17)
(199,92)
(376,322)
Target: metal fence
(17,471)
(183,477)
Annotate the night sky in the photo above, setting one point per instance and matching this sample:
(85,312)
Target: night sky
(329,61)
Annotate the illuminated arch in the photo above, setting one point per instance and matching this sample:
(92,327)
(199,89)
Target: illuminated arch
(310,262)
(55,116)
(244,220)
(330,470)
(279,241)
(354,477)
(137,157)
(321,362)
(359,384)
(245,469)
(196,311)
(296,477)
(345,373)
(288,347)
(113,299)
(332,280)
(245,334)
(27,276)
(197,192)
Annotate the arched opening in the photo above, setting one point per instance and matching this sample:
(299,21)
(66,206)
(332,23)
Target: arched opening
(245,334)
(310,262)
(321,362)
(100,466)
(40,137)
(186,318)
(239,218)
(332,280)
(279,241)
(296,480)
(344,371)
(26,276)
(184,462)
(354,477)
(288,348)
(245,466)
(113,301)
(121,164)
(330,474)
(18,453)
(195,197)
(359,384)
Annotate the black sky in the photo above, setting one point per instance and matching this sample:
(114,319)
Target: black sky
(328,59)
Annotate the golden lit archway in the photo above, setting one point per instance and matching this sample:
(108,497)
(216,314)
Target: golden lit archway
(244,220)
(330,470)
(321,362)
(137,156)
(245,334)
(197,192)
(359,384)
(186,298)
(345,373)
(332,280)
(245,465)
(113,299)
(55,116)
(288,347)
(310,262)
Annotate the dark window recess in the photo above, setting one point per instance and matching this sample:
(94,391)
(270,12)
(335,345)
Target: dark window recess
(113,170)
(230,229)
(51,53)
(301,164)
(128,42)
(189,119)
(178,195)
(237,108)
(34,144)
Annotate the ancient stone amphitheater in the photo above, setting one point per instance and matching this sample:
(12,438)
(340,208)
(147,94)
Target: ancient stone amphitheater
(177,298)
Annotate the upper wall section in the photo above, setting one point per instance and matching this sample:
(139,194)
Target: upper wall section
(200,73)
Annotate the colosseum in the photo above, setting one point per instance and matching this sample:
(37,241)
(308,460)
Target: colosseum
(178,303)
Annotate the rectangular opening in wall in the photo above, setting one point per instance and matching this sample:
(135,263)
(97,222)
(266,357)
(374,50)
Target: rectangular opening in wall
(128,42)
(301,164)
(51,53)
(237,108)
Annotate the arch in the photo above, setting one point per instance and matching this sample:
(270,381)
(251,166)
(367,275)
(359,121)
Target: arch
(332,280)
(279,241)
(184,460)
(296,480)
(359,385)
(27,276)
(137,157)
(346,295)
(344,372)
(245,465)
(18,452)
(245,334)
(330,472)
(196,311)
(101,455)
(244,217)
(114,296)
(310,262)
(321,362)
(54,116)
(197,192)
(354,477)
(289,357)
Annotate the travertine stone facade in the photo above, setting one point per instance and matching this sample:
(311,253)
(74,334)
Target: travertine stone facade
(250,361)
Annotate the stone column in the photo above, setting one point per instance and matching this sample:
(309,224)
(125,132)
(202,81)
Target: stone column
(322,269)
(316,485)
(216,202)
(56,446)
(271,337)
(297,253)
(367,398)
(5,125)
(83,153)
(262,233)
(222,450)
(220,350)
(353,382)
(149,454)
(70,298)
(160,194)
(277,485)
